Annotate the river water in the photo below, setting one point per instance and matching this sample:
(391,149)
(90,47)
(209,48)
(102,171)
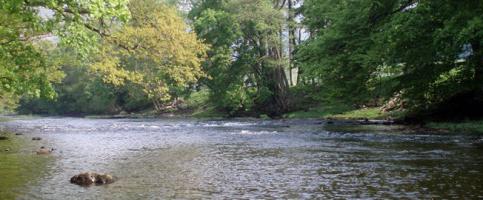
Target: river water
(249,159)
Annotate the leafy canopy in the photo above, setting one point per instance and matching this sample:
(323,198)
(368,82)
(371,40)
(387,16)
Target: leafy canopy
(155,50)
(26,25)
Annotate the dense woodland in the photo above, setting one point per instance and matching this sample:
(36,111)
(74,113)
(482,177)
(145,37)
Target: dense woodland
(241,57)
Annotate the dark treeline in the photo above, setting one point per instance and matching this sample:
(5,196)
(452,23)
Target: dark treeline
(278,56)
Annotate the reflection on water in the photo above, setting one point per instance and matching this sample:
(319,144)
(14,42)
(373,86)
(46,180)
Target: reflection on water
(174,158)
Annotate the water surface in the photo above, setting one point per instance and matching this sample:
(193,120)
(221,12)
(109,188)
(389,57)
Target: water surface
(251,159)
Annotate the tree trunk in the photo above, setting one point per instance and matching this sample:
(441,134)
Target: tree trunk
(278,85)
(291,39)
(157,105)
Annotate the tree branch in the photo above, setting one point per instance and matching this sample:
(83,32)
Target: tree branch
(403,6)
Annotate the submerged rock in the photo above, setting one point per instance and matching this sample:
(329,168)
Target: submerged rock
(89,178)
(36,138)
(3,138)
(44,151)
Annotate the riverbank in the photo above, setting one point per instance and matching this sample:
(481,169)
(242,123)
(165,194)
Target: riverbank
(475,127)
(363,116)
(375,114)
(342,113)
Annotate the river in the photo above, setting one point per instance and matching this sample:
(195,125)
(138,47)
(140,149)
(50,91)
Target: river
(245,158)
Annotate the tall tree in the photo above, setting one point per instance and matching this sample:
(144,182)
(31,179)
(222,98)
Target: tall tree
(246,64)
(155,51)
(437,47)
(337,55)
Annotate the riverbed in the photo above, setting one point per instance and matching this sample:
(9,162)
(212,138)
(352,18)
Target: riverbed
(243,158)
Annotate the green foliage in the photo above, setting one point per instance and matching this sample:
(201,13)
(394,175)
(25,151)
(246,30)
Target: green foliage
(211,24)
(200,105)
(24,69)
(198,99)
(78,93)
(344,112)
(317,111)
(142,53)
(362,51)
(154,51)
(221,30)
(364,113)
(339,55)
(429,40)
(245,63)
(82,92)
(105,71)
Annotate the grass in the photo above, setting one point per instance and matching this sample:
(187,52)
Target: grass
(344,113)
(368,113)
(474,127)
(317,112)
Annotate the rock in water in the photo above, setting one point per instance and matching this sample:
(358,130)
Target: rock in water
(84,179)
(89,178)
(44,151)
(104,179)
(36,138)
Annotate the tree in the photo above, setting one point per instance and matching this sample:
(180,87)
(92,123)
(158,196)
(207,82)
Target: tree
(338,56)
(23,67)
(155,51)
(246,62)
(429,52)
(436,45)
